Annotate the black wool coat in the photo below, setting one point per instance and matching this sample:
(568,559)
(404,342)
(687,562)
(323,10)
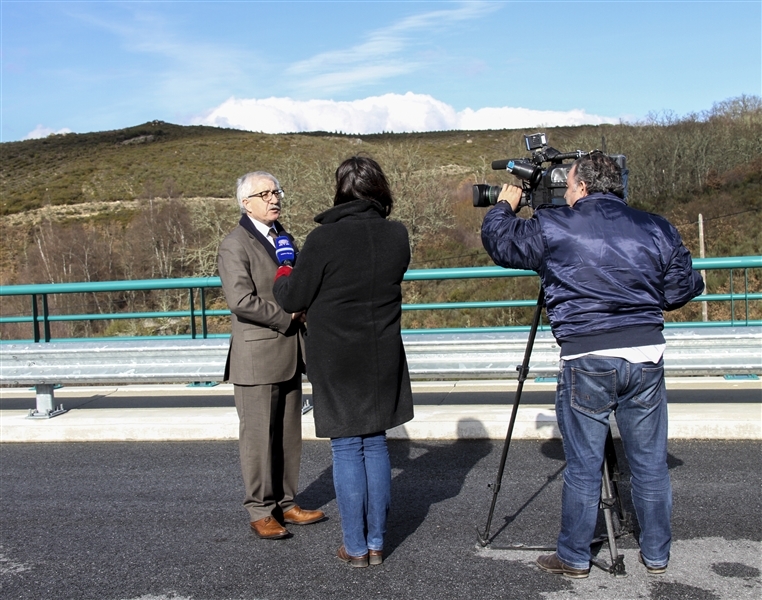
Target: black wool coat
(347,278)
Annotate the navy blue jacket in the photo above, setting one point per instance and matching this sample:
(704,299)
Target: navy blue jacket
(608,270)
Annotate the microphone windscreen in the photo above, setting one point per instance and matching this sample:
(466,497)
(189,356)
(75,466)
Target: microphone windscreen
(284,250)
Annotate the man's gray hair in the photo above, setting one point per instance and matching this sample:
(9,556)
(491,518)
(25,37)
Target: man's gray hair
(601,173)
(244,184)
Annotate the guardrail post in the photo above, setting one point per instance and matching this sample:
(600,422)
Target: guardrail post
(192,315)
(46,408)
(204,331)
(35,323)
(45,317)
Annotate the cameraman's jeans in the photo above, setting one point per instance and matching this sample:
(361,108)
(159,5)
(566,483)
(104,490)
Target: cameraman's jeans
(589,389)
(362,477)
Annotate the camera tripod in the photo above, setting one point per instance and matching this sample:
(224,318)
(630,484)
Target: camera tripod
(618,521)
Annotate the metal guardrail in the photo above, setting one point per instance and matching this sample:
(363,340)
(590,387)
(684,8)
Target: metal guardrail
(690,352)
(471,355)
(40,314)
(97,362)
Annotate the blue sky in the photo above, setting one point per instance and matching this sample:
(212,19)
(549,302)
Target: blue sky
(361,67)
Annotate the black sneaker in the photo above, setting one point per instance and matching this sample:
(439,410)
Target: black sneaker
(652,570)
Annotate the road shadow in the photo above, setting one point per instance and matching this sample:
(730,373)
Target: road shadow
(553,450)
(425,474)
(320,492)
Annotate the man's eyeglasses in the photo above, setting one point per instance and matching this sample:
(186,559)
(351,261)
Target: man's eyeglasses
(267,195)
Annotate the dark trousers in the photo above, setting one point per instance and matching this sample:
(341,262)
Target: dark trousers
(270,443)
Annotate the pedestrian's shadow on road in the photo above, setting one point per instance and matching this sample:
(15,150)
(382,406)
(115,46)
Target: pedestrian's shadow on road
(424,474)
(320,491)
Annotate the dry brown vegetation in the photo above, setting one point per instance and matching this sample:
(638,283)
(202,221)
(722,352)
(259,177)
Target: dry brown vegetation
(154,201)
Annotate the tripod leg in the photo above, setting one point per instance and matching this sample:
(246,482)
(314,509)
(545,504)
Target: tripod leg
(484,537)
(607,503)
(613,512)
(523,372)
(615,478)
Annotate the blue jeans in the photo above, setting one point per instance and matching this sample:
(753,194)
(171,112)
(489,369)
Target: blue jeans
(362,477)
(589,389)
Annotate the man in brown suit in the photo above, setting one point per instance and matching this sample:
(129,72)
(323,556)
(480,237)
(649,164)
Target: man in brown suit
(265,362)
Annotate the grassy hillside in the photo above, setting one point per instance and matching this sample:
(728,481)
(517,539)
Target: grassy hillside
(161,159)
(153,201)
(666,156)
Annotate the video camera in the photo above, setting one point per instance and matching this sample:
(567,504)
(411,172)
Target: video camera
(541,187)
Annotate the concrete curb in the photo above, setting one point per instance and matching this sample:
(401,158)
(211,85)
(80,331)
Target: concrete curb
(742,421)
(687,421)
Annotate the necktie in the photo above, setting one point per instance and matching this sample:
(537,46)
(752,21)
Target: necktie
(272,233)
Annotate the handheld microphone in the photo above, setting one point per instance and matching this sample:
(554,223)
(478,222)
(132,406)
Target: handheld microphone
(284,251)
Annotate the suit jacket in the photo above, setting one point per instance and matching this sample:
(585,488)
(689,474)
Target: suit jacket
(265,342)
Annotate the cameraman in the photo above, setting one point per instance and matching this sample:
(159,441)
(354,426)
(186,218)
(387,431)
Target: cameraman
(608,272)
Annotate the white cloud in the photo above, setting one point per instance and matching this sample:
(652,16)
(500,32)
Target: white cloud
(42,132)
(514,118)
(385,53)
(388,113)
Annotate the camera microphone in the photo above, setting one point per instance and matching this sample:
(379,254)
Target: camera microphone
(521,169)
(500,165)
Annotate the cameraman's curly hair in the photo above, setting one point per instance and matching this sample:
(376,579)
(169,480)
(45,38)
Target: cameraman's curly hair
(600,173)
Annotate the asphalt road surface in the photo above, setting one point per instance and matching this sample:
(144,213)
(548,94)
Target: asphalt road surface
(164,521)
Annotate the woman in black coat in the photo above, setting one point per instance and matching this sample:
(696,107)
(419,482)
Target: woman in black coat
(348,277)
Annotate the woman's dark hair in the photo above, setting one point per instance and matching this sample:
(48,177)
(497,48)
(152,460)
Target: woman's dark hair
(361,178)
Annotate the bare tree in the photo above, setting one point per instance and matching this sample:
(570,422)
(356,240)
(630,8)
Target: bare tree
(212,219)
(309,187)
(421,191)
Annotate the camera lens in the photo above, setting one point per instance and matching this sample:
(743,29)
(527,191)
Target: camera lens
(485,195)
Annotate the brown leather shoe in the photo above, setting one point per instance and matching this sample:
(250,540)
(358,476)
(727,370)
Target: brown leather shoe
(375,557)
(269,529)
(355,561)
(550,563)
(652,570)
(299,516)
